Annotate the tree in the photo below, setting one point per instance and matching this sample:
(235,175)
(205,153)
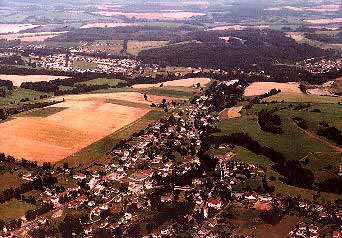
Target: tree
(70,225)
(103,233)
(273,216)
(30,215)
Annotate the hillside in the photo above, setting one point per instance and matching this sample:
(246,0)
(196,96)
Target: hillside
(243,49)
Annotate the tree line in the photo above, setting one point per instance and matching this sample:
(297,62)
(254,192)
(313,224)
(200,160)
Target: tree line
(6,112)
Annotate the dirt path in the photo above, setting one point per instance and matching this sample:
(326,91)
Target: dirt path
(316,137)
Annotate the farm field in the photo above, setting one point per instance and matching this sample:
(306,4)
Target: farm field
(176,83)
(296,97)
(238,27)
(259,88)
(135,47)
(297,36)
(106,24)
(176,92)
(14,209)
(107,46)
(31,37)
(19,79)
(9,180)
(232,112)
(324,21)
(292,149)
(97,152)
(152,15)
(102,81)
(17,94)
(319,155)
(84,120)
(14,28)
(280,230)
(320,8)
(84,65)
(300,38)
(133,97)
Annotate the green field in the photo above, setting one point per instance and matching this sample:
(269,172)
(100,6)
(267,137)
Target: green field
(9,180)
(17,94)
(102,81)
(43,112)
(171,92)
(113,47)
(14,209)
(84,65)
(292,97)
(330,113)
(135,47)
(294,144)
(97,152)
(65,88)
(127,103)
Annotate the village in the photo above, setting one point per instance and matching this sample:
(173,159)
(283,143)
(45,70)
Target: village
(158,171)
(321,66)
(77,63)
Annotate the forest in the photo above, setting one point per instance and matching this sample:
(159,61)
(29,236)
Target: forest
(249,49)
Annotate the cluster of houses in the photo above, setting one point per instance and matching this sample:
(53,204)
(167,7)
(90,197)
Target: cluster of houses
(321,66)
(304,230)
(73,62)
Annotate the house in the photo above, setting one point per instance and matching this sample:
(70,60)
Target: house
(115,176)
(167,198)
(96,211)
(336,234)
(136,187)
(28,177)
(323,214)
(213,222)
(302,226)
(165,231)
(148,183)
(313,229)
(214,203)
(74,204)
(88,230)
(98,189)
(156,235)
(251,198)
(83,198)
(104,207)
(79,176)
(103,224)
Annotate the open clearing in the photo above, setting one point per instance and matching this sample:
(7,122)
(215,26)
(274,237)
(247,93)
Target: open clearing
(297,36)
(14,28)
(19,79)
(232,112)
(296,97)
(324,21)
(321,8)
(14,209)
(84,120)
(152,15)
(176,83)
(238,27)
(135,47)
(106,25)
(259,88)
(32,37)
(280,230)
